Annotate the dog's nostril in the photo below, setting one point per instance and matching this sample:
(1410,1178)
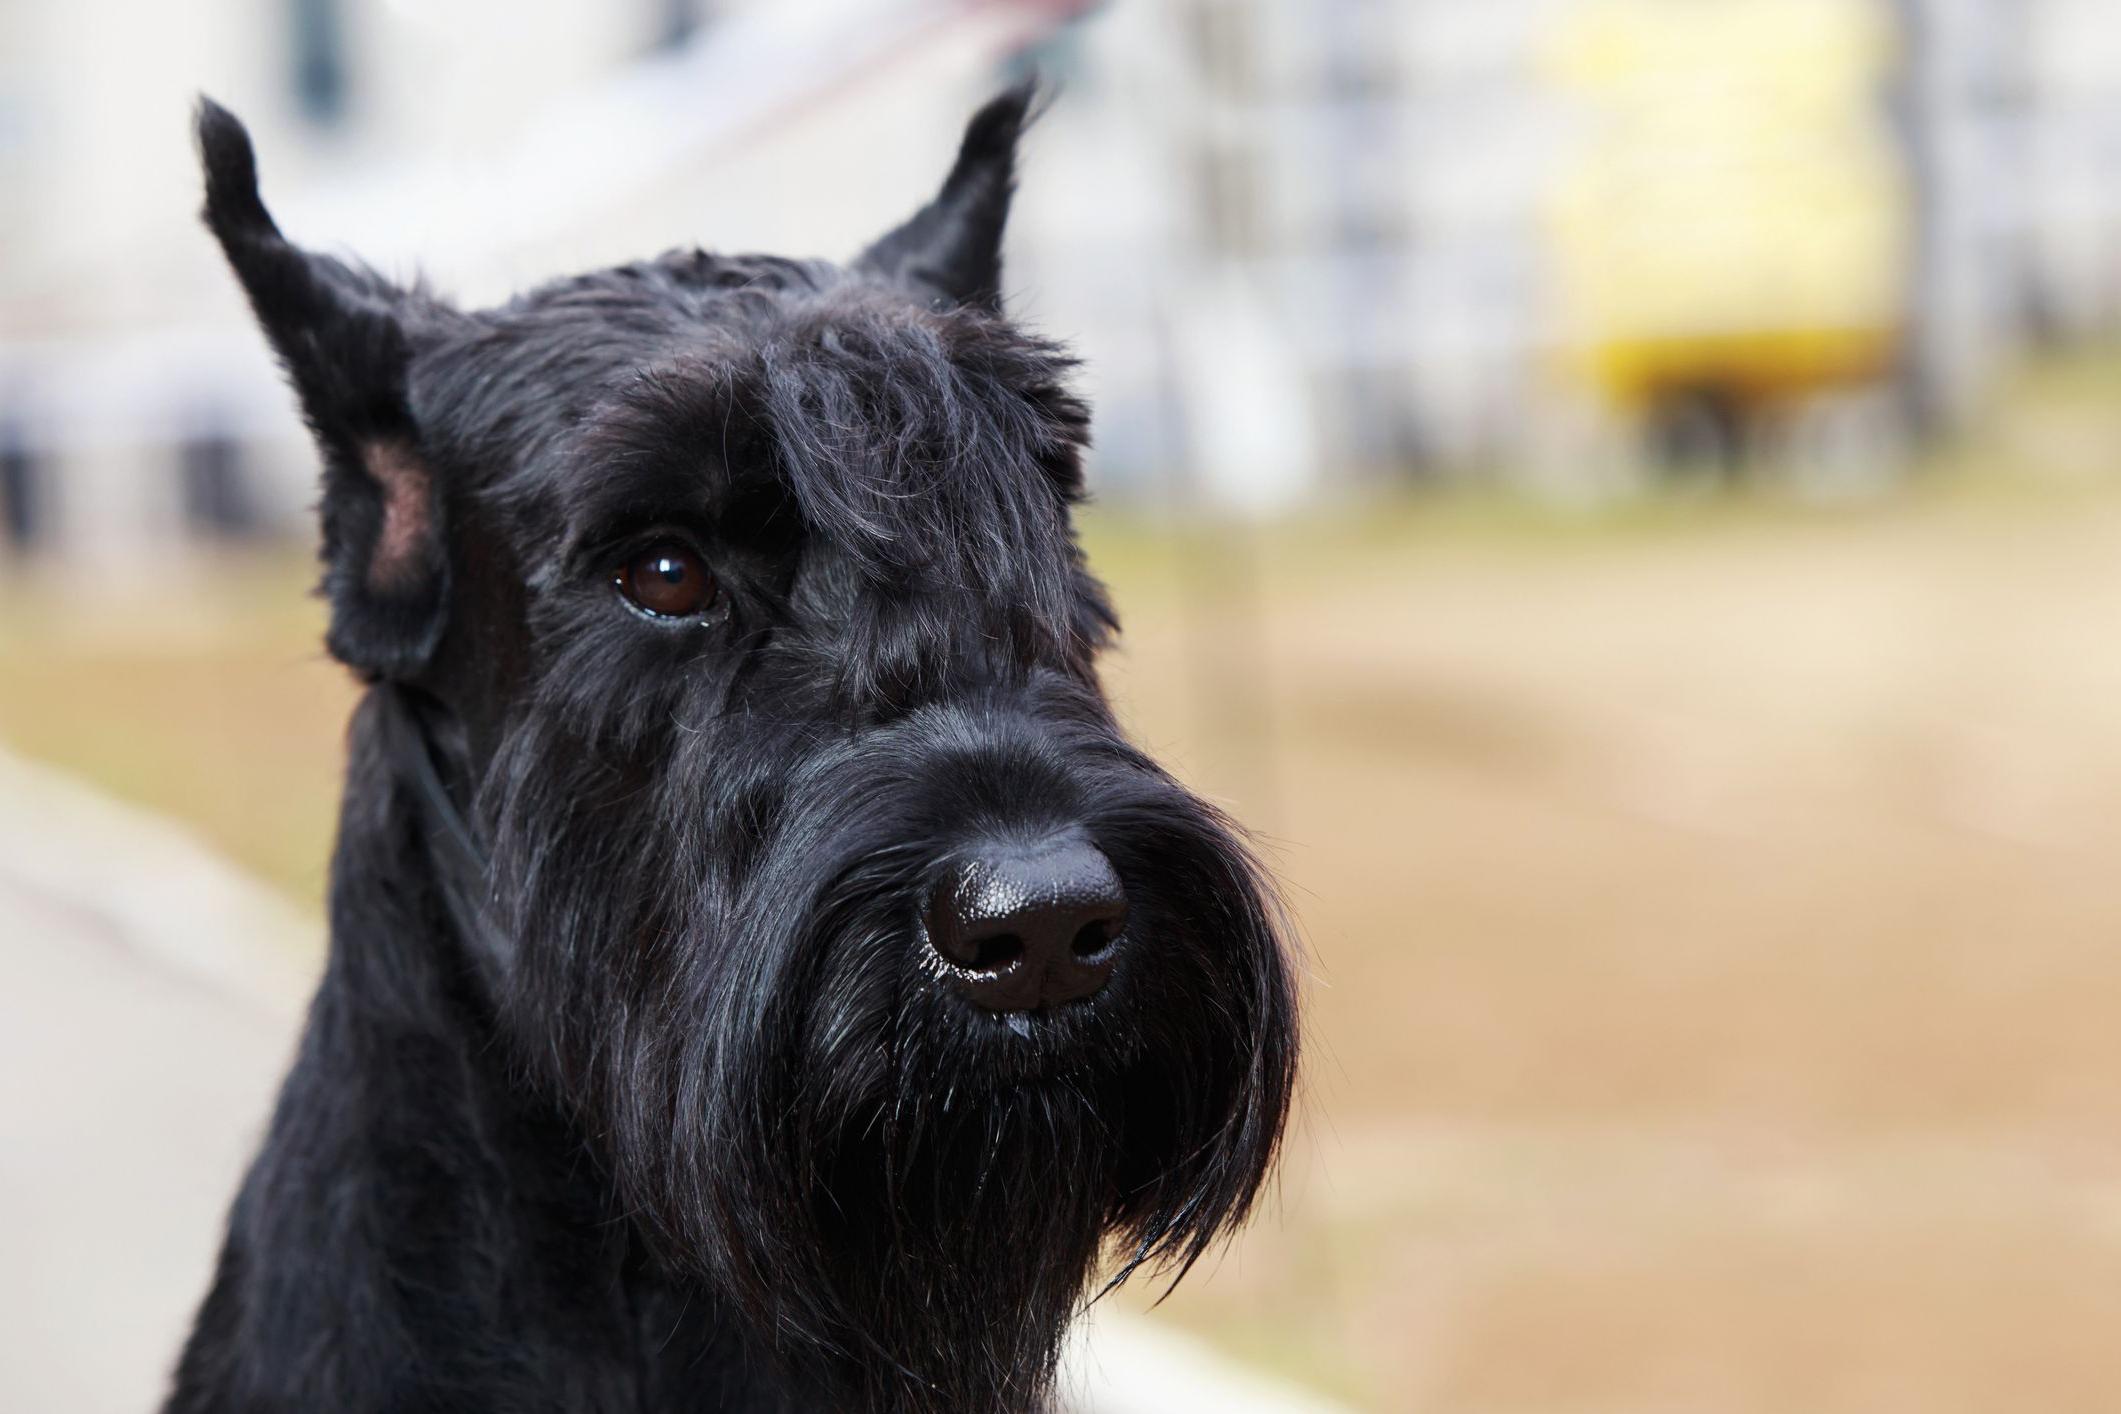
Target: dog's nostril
(995,953)
(1094,937)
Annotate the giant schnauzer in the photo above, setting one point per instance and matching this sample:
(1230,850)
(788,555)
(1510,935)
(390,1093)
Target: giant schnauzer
(763,977)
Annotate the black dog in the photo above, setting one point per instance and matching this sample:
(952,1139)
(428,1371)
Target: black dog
(762,975)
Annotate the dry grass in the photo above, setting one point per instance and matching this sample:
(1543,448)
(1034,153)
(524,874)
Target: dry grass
(203,692)
(1715,928)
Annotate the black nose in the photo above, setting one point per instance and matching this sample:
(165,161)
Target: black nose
(1025,926)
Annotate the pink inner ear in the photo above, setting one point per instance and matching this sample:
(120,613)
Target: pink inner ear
(408,514)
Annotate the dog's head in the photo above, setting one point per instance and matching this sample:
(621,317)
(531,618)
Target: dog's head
(740,598)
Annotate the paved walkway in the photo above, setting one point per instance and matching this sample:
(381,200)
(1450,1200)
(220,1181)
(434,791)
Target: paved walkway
(138,1053)
(149,999)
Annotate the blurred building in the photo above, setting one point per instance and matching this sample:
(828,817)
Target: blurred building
(1302,245)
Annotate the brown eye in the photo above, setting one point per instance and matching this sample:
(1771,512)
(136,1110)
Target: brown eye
(668,581)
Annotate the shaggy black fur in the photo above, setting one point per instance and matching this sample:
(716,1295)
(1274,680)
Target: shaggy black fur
(632,1084)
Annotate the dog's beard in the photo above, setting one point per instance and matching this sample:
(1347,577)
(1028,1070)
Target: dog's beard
(903,1243)
(953,1244)
(925,1256)
(903,1198)
(927,1191)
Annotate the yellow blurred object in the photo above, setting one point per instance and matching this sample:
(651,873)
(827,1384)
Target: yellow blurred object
(1735,216)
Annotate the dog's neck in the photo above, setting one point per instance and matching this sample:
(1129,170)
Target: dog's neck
(457,859)
(416,1205)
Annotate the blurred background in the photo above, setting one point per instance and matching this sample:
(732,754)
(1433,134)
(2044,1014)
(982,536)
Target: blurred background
(1623,496)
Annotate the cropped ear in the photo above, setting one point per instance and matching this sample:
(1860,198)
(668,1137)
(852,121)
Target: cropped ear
(339,332)
(951,249)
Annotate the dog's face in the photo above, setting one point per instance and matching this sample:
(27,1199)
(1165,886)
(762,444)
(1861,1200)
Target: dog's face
(886,978)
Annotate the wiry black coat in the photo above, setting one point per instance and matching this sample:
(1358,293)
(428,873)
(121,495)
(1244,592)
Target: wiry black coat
(627,1087)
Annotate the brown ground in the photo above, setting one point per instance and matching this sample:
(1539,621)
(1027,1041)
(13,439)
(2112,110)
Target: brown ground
(1715,928)
(1717,948)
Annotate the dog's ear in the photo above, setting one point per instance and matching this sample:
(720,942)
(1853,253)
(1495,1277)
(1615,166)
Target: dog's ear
(340,334)
(951,249)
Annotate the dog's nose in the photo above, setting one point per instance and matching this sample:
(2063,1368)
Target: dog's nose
(1033,925)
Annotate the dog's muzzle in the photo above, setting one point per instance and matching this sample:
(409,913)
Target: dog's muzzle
(1029,925)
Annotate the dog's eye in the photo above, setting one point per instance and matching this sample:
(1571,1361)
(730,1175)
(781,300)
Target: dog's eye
(668,581)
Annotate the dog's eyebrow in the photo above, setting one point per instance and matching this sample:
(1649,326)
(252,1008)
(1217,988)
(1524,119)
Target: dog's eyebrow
(673,443)
(933,453)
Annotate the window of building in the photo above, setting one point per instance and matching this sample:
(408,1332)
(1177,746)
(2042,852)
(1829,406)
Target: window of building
(676,22)
(1230,197)
(317,59)
(1222,47)
(22,492)
(216,497)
